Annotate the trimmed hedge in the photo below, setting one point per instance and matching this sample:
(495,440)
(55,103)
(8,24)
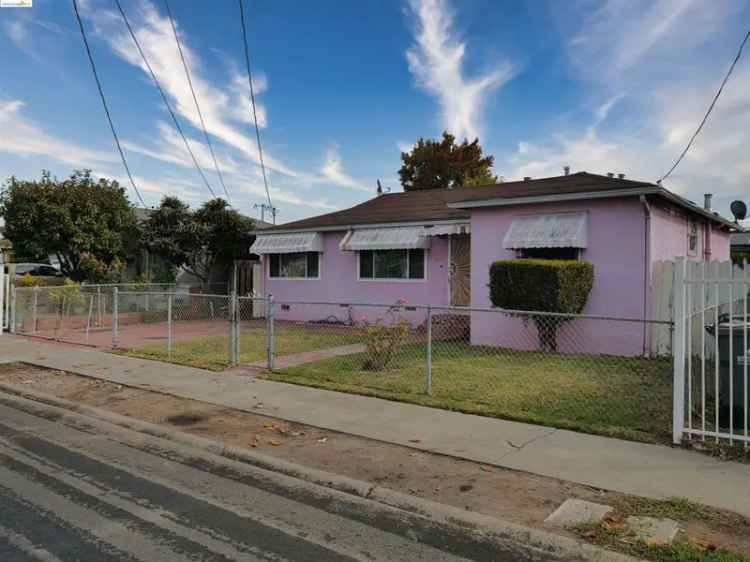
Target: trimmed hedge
(541,285)
(544,286)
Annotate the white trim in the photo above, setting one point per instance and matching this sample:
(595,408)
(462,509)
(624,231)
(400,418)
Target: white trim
(270,278)
(362,226)
(393,279)
(507,201)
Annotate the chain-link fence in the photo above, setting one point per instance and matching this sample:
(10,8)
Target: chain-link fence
(602,374)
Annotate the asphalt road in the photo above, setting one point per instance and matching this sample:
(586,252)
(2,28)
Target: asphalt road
(85,493)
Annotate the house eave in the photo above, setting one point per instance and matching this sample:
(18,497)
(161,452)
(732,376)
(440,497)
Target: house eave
(360,226)
(561,197)
(507,202)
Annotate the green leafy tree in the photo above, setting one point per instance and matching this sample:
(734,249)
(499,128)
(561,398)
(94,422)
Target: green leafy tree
(204,242)
(86,223)
(433,164)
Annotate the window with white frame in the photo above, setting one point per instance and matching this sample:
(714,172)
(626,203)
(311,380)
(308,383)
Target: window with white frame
(693,238)
(392,264)
(298,265)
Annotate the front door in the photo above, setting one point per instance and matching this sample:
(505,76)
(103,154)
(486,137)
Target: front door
(460,269)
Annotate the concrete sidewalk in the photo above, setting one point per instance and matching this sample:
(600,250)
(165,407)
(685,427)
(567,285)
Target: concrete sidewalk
(623,466)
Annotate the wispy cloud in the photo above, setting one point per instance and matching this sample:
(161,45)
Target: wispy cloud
(437,62)
(333,172)
(219,108)
(670,56)
(23,137)
(17,30)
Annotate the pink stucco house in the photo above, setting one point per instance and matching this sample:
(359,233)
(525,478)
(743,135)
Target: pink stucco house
(435,247)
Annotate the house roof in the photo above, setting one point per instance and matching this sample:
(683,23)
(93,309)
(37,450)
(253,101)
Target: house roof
(435,205)
(428,205)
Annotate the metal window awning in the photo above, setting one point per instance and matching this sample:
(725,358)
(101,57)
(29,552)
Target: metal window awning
(563,230)
(287,243)
(396,238)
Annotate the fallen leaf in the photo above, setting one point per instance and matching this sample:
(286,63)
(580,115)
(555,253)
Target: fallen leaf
(274,443)
(268,425)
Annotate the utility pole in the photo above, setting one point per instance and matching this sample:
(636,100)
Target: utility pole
(263,208)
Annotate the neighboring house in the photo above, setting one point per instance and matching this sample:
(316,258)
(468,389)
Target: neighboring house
(435,247)
(741,243)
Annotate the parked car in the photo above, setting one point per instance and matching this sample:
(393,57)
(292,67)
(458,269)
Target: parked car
(35,269)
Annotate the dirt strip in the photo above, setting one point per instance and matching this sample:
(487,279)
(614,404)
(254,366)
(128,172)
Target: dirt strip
(506,494)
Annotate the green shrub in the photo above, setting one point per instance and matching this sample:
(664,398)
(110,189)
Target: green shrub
(542,285)
(68,296)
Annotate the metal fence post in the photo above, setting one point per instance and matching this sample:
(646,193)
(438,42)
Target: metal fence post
(12,309)
(428,346)
(232,331)
(115,317)
(269,330)
(680,319)
(236,327)
(170,296)
(99,304)
(35,311)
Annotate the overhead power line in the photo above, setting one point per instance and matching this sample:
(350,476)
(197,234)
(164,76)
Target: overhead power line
(252,102)
(195,99)
(710,109)
(164,97)
(104,103)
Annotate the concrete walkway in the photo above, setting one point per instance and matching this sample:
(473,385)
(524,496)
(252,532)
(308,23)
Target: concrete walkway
(294,359)
(633,468)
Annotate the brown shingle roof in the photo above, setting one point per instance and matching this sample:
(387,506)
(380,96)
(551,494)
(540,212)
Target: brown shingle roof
(581,182)
(433,204)
(410,206)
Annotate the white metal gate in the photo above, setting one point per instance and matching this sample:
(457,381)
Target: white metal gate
(711,351)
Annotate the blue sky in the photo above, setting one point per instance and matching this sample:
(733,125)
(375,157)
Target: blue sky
(342,87)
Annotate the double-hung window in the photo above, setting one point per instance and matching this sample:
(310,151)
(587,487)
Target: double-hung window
(392,264)
(298,265)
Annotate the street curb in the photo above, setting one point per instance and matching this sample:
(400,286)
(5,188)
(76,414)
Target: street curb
(557,545)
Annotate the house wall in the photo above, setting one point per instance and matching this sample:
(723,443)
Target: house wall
(338,283)
(669,236)
(616,248)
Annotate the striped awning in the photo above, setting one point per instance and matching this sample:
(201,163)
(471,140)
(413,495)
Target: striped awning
(562,230)
(287,243)
(395,238)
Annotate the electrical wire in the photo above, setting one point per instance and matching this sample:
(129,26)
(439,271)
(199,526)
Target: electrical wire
(710,109)
(252,101)
(164,97)
(195,99)
(104,103)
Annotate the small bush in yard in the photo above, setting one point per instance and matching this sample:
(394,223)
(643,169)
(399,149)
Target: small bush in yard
(384,339)
(28,280)
(561,286)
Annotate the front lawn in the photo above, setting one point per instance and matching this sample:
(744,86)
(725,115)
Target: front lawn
(622,397)
(212,352)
